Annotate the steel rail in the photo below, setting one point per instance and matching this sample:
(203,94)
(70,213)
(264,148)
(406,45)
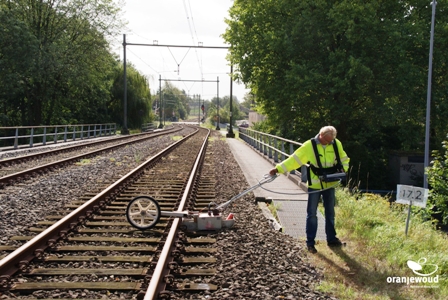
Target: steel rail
(49,237)
(19,159)
(154,286)
(8,178)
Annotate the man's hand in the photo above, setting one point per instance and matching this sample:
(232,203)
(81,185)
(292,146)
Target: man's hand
(272,172)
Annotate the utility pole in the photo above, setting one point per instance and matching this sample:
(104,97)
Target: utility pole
(160,101)
(428,97)
(202,109)
(199,110)
(217,123)
(125,99)
(230,133)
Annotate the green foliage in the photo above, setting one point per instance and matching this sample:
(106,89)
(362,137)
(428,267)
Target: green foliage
(438,181)
(224,110)
(175,102)
(358,65)
(371,222)
(56,67)
(248,101)
(139,101)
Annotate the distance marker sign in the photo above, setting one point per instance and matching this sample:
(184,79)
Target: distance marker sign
(407,194)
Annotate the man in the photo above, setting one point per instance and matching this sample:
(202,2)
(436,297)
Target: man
(319,153)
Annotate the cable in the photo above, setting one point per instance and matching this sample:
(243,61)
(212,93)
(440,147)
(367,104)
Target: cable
(142,60)
(192,36)
(305,193)
(178,64)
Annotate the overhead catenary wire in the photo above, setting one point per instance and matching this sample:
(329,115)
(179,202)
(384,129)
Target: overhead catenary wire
(178,64)
(193,35)
(143,61)
(193,38)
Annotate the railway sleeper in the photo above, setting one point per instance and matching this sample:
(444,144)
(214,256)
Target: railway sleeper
(195,287)
(112,286)
(136,272)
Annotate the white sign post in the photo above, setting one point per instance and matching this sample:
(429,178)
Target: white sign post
(412,195)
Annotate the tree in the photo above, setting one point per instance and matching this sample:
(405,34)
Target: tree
(248,101)
(438,182)
(69,63)
(18,48)
(139,101)
(175,102)
(360,66)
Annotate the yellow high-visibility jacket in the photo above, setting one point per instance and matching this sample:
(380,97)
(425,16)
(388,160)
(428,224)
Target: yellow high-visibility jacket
(305,154)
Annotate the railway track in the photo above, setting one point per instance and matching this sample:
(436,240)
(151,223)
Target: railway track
(17,169)
(90,248)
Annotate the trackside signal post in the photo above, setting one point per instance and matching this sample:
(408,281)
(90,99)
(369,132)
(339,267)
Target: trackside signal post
(160,94)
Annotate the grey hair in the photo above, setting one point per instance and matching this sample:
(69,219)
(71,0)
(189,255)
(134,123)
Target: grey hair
(328,130)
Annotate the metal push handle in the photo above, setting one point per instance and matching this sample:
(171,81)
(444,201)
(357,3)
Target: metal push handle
(266,179)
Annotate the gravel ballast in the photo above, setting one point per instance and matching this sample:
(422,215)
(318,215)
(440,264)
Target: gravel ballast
(253,260)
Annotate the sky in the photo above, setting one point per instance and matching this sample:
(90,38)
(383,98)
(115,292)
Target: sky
(181,23)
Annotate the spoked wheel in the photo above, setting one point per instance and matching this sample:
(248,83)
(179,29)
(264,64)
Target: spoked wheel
(143,212)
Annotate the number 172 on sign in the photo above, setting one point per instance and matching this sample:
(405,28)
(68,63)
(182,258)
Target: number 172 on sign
(407,194)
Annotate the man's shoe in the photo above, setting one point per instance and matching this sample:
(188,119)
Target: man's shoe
(311,249)
(335,243)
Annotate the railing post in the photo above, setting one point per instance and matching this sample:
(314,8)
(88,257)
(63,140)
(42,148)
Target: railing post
(82,132)
(265,149)
(74,132)
(270,145)
(254,140)
(65,134)
(44,141)
(291,152)
(276,151)
(55,138)
(94,131)
(283,150)
(88,132)
(31,137)
(16,139)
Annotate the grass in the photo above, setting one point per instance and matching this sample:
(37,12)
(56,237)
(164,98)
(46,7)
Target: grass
(378,249)
(273,208)
(82,162)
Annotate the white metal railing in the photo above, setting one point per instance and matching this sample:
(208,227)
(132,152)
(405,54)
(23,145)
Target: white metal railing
(272,147)
(148,127)
(28,136)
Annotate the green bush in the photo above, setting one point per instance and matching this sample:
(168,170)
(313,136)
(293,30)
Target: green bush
(438,182)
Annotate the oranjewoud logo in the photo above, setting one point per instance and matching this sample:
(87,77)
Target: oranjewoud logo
(423,270)
(418,266)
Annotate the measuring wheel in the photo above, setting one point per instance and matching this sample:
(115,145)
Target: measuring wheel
(143,212)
